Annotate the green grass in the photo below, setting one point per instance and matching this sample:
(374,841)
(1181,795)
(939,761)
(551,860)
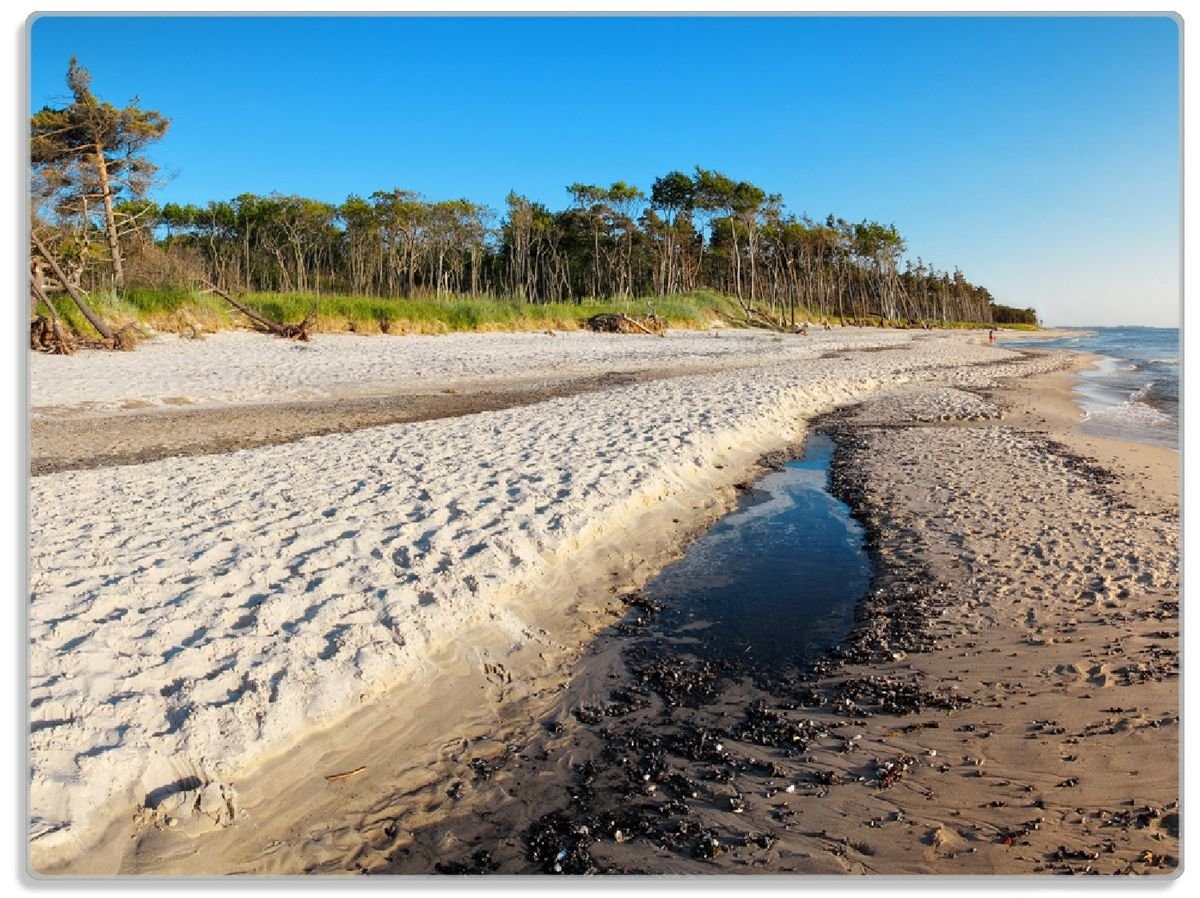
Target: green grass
(168,309)
(363,314)
(1017,327)
(181,310)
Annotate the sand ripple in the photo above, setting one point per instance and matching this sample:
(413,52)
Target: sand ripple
(191,616)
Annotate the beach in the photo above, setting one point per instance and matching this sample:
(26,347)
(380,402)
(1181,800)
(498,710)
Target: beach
(337,607)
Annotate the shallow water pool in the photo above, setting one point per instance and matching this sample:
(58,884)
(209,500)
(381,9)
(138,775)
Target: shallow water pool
(775,582)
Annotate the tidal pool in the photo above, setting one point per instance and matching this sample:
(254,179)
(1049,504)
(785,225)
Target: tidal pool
(774,583)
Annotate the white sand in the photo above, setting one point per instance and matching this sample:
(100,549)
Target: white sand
(235,367)
(190,617)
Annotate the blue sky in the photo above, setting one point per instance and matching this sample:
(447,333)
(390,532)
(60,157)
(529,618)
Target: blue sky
(1040,155)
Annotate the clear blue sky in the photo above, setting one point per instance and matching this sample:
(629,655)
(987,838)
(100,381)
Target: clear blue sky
(1038,154)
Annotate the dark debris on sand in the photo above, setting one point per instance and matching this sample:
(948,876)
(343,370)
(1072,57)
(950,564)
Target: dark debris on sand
(687,745)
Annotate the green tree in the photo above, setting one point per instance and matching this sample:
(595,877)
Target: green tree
(591,202)
(674,196)
(625,200)
(739,202)
(113,140)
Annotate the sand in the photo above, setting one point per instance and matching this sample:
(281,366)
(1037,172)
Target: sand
(66,441)
(239,367)
(179,397)
(1044,737)
(193,619)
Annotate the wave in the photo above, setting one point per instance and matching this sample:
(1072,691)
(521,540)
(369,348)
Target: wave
(1132,413)
(1140,395)
(1158,393)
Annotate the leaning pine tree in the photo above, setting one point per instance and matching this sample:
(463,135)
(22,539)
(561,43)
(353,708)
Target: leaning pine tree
(90,150)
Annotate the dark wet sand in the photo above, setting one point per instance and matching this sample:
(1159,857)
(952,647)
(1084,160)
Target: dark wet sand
(65,440)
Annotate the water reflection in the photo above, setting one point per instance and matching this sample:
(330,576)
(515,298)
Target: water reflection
(776,581)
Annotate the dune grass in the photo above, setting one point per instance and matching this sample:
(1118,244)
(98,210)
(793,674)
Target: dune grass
(174,310)
(180,310)
(438,315)
(1015,327)
(188,311)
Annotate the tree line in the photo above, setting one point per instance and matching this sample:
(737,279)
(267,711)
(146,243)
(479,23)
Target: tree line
(691,230)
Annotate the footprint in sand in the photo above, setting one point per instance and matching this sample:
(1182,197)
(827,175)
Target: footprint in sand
(1100,675)
(1067,672)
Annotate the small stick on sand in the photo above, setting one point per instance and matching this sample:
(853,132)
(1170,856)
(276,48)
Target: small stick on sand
(333,777)
(638,325)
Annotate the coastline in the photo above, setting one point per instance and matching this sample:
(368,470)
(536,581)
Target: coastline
(470,697)
(1131,389)
(349,812)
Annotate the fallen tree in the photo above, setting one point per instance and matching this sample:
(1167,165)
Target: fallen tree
(621,323)
(290,331)
(109,338)
(47,334)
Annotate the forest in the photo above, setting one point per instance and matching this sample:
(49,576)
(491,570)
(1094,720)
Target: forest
(97,231)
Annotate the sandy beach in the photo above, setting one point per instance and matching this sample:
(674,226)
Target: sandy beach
(346,606)
(230,391)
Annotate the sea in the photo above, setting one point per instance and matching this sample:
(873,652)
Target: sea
(1133,392)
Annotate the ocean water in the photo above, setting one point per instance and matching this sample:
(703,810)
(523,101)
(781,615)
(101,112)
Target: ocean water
(774,583)
(1133,393)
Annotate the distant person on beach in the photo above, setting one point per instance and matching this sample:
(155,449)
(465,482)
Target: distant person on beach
(991,336)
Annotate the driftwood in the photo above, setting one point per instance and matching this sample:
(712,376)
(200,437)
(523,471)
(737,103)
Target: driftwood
(290,331)
(621,323)
(334,777)
(47,334)
(758,316)
(123,339)
(780,324)
(112,339)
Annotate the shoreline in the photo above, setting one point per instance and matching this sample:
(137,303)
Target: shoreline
(1141,410)
(810,775)
(485,670)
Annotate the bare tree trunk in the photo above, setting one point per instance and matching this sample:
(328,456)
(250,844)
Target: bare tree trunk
(737,270)
(752,247)
(110,220)
(37,281)
(56,340)
(291,331)
(595,261)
